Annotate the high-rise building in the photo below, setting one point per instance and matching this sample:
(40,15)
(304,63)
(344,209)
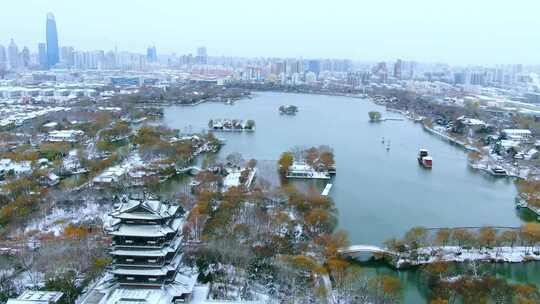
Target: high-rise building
(478,78)
(397,69)
(326,65)
(202,57)
(314,66)
(294,66)
(109,62)
(67,56)
(13,55)
(279,67)
(53,56)
(42,56)
(460,78)
(3,57)
(380,70)
(25,57)
(151,54)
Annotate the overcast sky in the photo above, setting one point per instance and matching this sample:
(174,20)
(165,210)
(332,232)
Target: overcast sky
(453,31)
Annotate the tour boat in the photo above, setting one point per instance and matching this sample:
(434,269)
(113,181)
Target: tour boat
(498,171)
(424,159)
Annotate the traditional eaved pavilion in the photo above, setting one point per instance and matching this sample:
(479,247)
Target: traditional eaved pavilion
(146,255)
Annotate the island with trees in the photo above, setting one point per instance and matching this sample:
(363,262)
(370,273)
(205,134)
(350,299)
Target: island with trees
(288,109)
(231,125)
(374,116)
(310,163)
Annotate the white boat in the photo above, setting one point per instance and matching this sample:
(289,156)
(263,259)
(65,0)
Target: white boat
(424,159)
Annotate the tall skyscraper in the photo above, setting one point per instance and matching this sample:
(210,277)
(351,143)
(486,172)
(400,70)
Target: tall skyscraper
(25,57)
(151,54)
(202,57)
(42,56)
(314,66)
(66,56)
(397,69)
(53,56)
(109,62)
(13,55)
(381,71)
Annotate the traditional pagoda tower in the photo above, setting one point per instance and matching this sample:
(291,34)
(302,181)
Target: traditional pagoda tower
(146,244)
(147,254)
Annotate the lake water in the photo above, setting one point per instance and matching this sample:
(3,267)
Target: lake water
(379,194)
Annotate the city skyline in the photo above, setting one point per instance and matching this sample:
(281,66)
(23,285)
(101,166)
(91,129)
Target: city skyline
(369,32)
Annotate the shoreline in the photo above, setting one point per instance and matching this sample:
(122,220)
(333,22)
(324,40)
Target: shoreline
(452,254)
(511,170)
(457,254)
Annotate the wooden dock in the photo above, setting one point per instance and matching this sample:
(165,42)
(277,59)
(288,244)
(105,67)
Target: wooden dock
(326,190)
(392,119)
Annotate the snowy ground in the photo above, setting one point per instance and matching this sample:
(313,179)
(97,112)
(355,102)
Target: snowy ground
(200,296)
(59,218)
(490,160)
(113,173)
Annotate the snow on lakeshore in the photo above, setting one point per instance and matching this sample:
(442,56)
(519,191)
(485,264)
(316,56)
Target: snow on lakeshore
(516,254)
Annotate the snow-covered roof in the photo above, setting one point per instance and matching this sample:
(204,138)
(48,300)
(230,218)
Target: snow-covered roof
(147,271)
(232,179)
(506,143)
(149,209)
(7,164)
(141,271)
(64,135)
(184,283)
(516,131)
(143,253)
(149,252)
(473,122)
(121,229)
(37,297)
(113,174)
(109,175)
(51,124)
(128,295)
(142,230)
(53,176)
(300,166)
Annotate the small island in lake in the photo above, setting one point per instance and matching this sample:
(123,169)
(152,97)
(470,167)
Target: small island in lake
(288,109)
(231,125)
(374,116)
(312,163)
